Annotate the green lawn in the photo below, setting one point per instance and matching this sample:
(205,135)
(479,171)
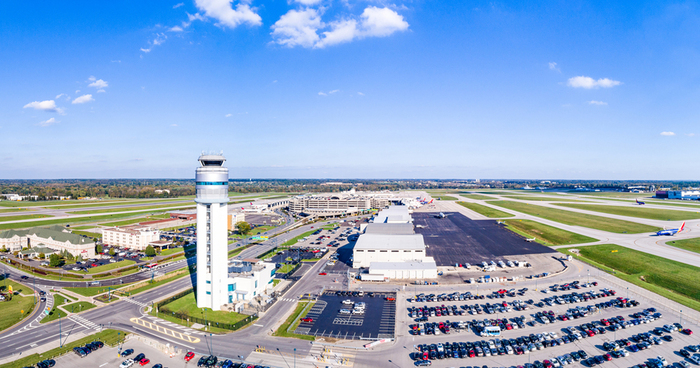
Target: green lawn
(111,266)
(577,219)
(89,291)
(294,320)
(477,196)
(295,239)
(692,245)
(670,279)
(68,221)
(18,308)
(137,220)
(86,233)
(150,286)
(55,313)
(39,203)
(484,210)
(187,305)
(21,217)
(152,207)
(285,268)
(109,337)
(7,210)
(445,198)
(545,234)
(170,251)
(114,202)
(79,307)
(637,211)
(545,199)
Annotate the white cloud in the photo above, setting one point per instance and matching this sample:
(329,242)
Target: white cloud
(691,134)
(360,93)
(297,28)
(46,123)
(173,125)
(99,84)
(146,50)
(590,83)
(116,61)
(48,105)
(274,81)
(178,5)
(333,91)
(668,134)
(92,78)
(101,91)
(77,91)
(553,66)
(175,29)
(63,95)
(307,2)
(222,11)
(322,94)
(229,115)
(300,27)
(191,18)
(158,40)
(83,99)
(600,103)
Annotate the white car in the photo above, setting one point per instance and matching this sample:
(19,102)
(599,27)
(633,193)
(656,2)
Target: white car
(127,363)
(695,358)
(345,311)
(348,301)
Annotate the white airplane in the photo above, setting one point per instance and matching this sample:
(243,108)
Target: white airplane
(441,215)
(530,240)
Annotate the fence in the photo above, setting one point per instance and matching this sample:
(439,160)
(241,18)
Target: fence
(162,308)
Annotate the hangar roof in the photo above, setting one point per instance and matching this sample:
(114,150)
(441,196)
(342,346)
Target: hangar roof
(390,229)
(381,241)
(409,265)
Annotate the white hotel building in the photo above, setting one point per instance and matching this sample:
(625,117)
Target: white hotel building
(135,237)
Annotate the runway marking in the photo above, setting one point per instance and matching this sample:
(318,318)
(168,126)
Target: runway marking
(165,331)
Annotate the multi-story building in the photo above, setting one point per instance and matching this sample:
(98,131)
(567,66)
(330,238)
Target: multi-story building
(133,237)
(350,202)
(212,232)
(249,278)
(235,217)
(54,237)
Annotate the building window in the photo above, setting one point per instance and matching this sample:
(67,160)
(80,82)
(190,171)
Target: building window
(256,284)
(208,292)
(371,250)
(208,282)
(232,287)
(394,251)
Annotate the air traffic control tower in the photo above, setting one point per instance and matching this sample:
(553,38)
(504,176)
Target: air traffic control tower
(212,231)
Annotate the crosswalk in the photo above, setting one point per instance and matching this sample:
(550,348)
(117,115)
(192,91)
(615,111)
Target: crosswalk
(84,322)
(287,300)
(185,330)
(132,301)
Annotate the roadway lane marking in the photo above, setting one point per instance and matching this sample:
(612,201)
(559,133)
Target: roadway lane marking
(257,325)
(103,364)
(165,331)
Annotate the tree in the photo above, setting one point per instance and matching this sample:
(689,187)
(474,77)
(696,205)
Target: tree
(98,248)
(4,249)
(243,227)
(55,260)
(112,252)
(42,256)
(79,258)
(150,252)
(15,253)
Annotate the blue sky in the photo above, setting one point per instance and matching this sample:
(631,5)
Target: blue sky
(350,89)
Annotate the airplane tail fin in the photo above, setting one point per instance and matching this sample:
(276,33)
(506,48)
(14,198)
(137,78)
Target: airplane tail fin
(636,200)
(682,226)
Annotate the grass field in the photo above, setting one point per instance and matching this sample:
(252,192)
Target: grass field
(150,286)
(484,210)
(545,199)
(39,203)
(18,308)
(115,202)
(153,207)
(578,219)
(86,233)
(637,211)
(111,266)
(545,234)
(612,194)
(445,198)
(294,320)
(477,196)
(89,291)
(295,239)
(79,307)
(68,221)
(170,251)
(285,268)
(674,280)
(692,245)
(55,313)
(187,305)
(109,337)
(137,220)
(8,210)
(21,217)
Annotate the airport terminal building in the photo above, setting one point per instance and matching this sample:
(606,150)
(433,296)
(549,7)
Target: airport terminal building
(351,202)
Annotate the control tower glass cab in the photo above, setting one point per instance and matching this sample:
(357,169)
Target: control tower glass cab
(212,231)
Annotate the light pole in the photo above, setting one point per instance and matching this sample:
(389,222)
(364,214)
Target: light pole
(589,276)
(295,357)
(680,322)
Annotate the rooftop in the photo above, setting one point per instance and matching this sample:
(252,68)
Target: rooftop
(390,229)
(382,241)
(409,265)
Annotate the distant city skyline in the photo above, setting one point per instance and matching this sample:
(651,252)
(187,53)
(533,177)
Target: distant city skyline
(351,89)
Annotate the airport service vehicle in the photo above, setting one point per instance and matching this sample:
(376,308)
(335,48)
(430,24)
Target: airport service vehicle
(671,232)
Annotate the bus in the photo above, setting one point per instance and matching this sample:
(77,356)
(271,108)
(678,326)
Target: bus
(491,331)
(151,266)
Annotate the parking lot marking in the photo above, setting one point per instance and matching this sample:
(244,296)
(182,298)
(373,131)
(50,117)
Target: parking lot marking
(165,331)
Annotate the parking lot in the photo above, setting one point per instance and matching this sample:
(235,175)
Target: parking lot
(377,321)
(457,239)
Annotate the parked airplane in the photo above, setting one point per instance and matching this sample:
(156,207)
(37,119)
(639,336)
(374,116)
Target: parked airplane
(639,203)
(671,232)
(441,215)
(530,240)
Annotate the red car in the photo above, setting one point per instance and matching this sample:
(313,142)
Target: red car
(607,357)
(687,331)
(307,319)
(605,322)
(189,356)
(322,274)
(144,361)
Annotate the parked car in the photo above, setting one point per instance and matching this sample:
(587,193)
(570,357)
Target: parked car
(127,352)
(127,363)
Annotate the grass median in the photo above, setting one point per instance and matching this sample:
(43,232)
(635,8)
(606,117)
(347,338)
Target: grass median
(637,211)
(18,308)
(294,321)
(55,312)
(477,196)
(79,307)
(110,266)
(485,210)
(578,219)
(670,279)
(69,221)
(445,198)
(692,245)
(544,199)
(21,217)
(109,337)
(137,220)
(545,234)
